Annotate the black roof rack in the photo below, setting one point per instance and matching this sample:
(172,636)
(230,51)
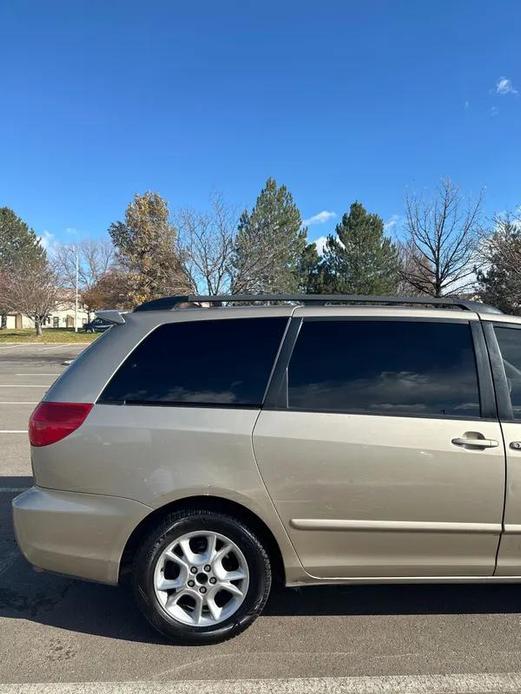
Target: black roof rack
(171,302)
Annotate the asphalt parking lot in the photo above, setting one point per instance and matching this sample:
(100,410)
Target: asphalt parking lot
(57,630)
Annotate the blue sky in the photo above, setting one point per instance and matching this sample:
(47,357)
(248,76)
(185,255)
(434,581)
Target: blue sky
(338,100)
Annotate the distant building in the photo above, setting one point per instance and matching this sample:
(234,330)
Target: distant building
(61,317)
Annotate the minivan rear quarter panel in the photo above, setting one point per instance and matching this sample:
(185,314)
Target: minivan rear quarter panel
(157,454)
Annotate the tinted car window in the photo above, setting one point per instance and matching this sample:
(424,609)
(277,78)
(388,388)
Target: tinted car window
(510,345)
(210,362)
(386,367)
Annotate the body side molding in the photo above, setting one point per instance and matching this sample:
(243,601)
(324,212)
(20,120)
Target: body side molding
(397,526)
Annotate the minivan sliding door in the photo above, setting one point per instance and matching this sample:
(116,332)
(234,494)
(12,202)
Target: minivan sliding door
(383,457)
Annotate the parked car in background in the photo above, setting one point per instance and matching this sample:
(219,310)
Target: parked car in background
(204,452)
(98,325)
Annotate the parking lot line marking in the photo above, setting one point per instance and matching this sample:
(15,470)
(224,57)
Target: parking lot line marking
(17,402)
(13,431)
(57,373)
(24,385)
(60,345)
(501,683)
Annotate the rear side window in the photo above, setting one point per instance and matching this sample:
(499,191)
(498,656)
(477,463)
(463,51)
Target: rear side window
(384,367)
(509,340)
(210,362)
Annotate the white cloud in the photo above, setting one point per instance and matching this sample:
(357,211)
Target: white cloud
(494,111)
(505,86)
(47,239)
(320,243)
(319,218)
(391,223)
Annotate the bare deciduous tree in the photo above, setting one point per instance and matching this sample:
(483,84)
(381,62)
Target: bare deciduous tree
(206,241)
(411,263)
(95,258)
(443,233)
(31,289)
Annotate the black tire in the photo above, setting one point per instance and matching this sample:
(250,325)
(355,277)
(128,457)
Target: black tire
(175,525)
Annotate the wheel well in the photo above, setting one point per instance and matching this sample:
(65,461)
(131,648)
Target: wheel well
(212,503)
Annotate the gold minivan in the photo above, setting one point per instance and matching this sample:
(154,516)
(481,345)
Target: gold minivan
(205,446)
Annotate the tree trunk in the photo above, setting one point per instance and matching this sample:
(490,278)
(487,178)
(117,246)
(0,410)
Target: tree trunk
(38,326)
(3,321)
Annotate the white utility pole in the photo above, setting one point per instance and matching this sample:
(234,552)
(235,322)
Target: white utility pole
(76,288)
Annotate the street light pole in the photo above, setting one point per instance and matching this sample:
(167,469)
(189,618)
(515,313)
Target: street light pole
(76,292)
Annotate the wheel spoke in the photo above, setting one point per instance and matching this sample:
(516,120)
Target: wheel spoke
(198,611)
(175,597)
(170,583)
(218,558)
(231,588)
(172,556)
(226,549)
(211,541)
(214,608)
(234,575)
(187,550)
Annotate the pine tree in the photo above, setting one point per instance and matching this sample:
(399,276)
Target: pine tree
(270,243)
(360,259)
(146,249)
(17,241)
(19,246)
(500,283)
(310,271)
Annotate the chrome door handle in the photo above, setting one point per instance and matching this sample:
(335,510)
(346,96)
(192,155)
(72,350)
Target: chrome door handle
(476,443)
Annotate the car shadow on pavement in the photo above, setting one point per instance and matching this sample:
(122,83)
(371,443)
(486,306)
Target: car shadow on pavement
(403,599)
(15,483)
(107,611)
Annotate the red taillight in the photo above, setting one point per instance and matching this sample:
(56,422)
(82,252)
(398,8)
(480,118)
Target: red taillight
(52,421)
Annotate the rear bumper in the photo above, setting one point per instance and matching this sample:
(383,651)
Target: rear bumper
(80,535)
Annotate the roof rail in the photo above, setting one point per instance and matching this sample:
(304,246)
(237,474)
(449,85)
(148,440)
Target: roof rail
(190,300)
